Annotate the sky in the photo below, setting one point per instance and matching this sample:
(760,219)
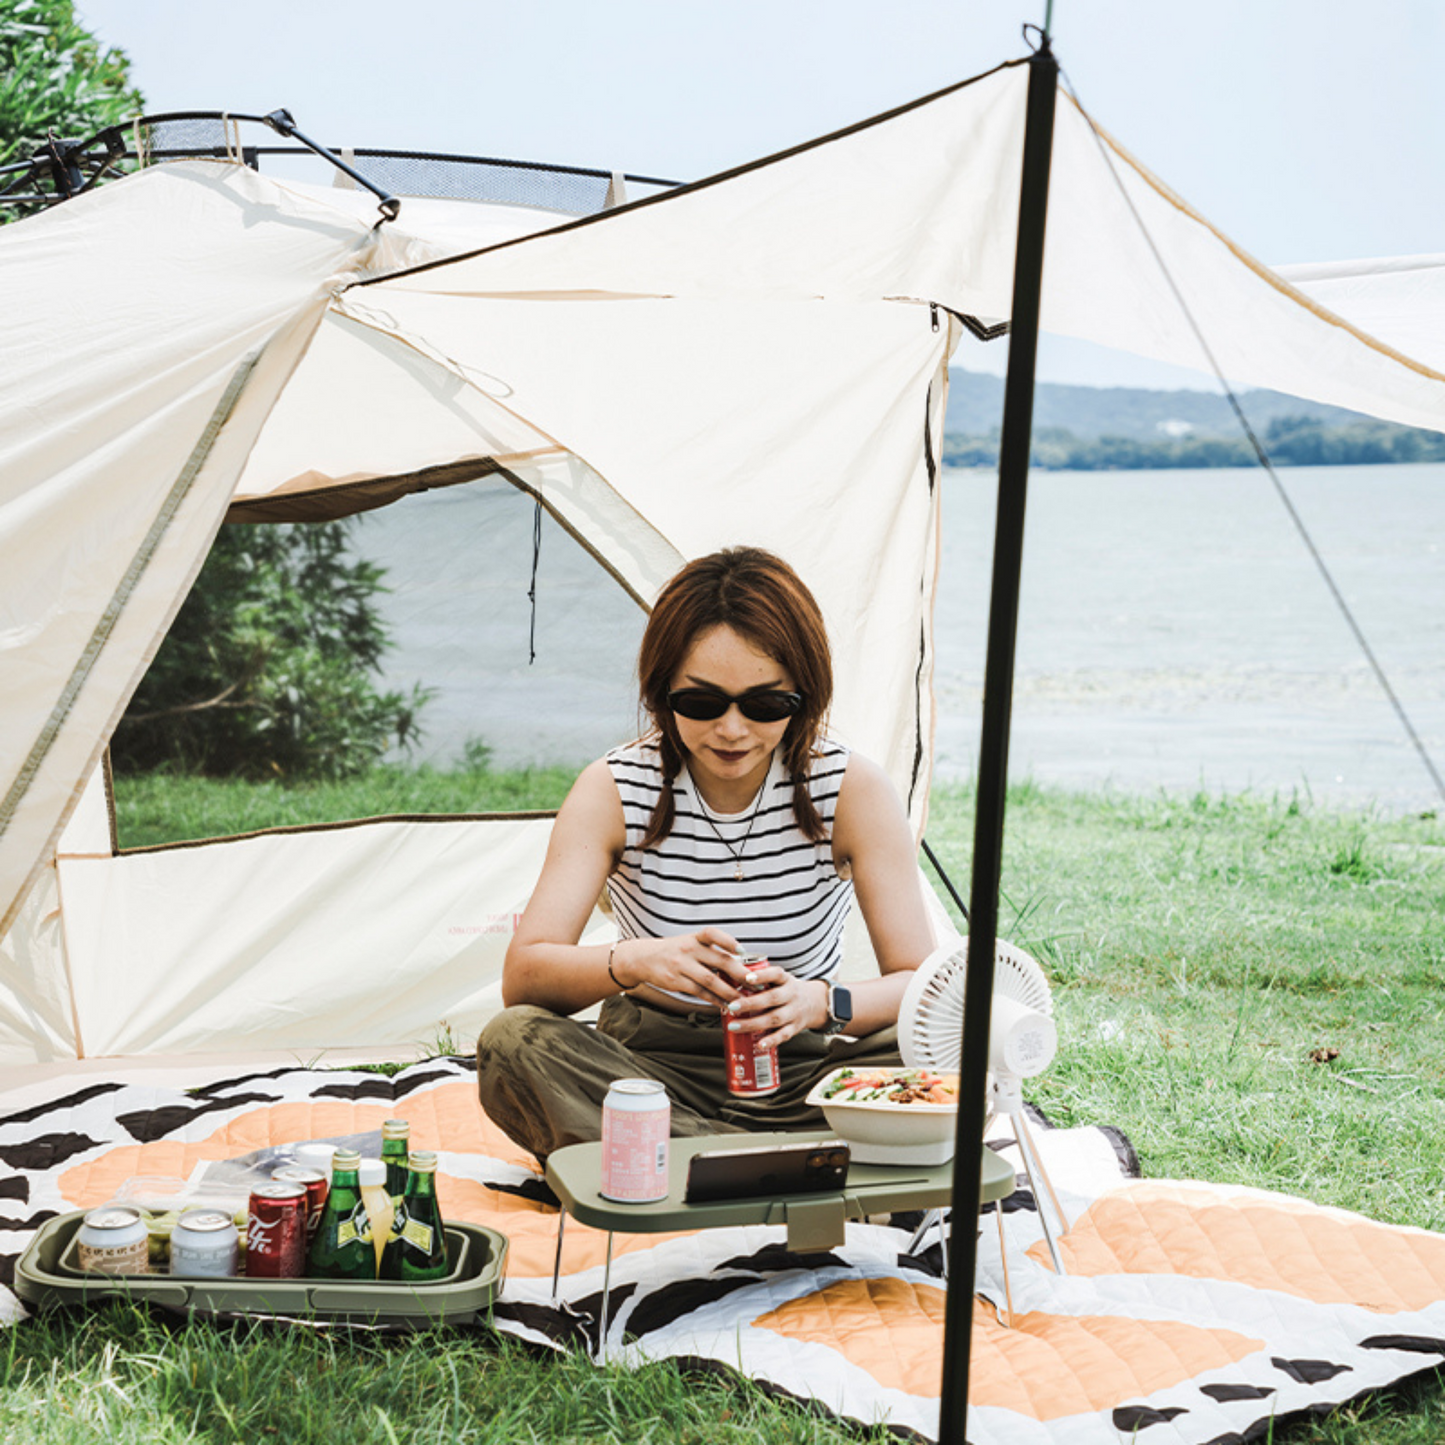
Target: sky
(1305,131)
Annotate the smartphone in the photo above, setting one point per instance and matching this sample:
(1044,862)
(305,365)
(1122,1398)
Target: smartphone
(772,1169)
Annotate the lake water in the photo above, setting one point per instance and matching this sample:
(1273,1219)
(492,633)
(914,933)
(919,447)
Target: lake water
(1174,632)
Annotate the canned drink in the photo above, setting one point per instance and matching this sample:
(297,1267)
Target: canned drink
(316,1184)
(205,1241)
(752,1071)
(276,1232)
(636,1122)
(114,1240)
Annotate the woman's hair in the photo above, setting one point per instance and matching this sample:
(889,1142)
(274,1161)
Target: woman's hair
(766,603)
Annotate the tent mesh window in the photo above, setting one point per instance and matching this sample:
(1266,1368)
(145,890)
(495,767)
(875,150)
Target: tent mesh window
(520,694)
(571,190)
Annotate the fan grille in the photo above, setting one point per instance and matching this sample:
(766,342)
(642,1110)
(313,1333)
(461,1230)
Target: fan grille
(930,1020)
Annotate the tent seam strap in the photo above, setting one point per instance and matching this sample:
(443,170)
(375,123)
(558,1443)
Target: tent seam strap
(125,588)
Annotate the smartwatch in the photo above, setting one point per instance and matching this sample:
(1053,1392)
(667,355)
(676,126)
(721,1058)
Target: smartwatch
(840,1010)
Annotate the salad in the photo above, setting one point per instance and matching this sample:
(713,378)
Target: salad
(891,1086)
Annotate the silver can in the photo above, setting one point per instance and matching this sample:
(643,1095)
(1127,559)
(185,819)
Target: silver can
(636,1122)
(114,1240)
(205,1242)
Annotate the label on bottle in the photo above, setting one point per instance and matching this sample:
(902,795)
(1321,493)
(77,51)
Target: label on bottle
(357,1225)
(418,1235)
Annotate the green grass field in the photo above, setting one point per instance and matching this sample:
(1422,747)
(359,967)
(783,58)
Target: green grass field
(1247,987)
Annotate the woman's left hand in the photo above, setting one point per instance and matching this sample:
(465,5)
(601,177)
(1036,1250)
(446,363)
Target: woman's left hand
(786,1007)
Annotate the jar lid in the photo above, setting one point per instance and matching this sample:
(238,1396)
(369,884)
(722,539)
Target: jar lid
(636,1086)
(204,1220)
(112,1217)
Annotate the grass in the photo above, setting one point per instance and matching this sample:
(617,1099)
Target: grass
(1248,986)
(168,808)
(119,1375)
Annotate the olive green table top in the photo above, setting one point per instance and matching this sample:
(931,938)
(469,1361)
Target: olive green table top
(814,1221)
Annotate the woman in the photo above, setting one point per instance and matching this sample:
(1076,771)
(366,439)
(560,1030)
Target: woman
(733,826)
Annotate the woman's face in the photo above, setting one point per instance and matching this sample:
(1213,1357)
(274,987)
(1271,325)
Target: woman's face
(731,753)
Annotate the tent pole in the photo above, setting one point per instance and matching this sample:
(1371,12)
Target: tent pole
(1013,474)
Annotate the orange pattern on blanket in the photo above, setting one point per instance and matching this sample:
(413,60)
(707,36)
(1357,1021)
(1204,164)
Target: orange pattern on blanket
(1045,1367)
(447,1117)
(1280,1244)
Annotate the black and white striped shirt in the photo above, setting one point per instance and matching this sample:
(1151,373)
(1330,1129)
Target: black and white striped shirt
(791,904)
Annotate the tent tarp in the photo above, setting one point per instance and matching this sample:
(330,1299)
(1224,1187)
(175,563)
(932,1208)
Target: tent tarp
(761,357)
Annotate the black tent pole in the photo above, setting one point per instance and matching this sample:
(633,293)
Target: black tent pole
(1013,476)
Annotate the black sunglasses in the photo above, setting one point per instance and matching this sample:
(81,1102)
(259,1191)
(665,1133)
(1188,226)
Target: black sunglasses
(703,704)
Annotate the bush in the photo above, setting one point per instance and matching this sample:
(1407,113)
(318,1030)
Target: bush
(269,669)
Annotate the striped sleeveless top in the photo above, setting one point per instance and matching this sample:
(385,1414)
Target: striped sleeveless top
(791,904)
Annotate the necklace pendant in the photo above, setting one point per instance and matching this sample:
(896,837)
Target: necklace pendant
(738,871)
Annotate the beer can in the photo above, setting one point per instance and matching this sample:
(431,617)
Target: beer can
(316,1184)
(205,1241)
(114,1240)
(276,1232)
(752,1070)
(636,1122)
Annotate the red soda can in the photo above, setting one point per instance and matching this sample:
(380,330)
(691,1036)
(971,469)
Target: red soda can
(276,1232)
(316,1184)
(752,1070)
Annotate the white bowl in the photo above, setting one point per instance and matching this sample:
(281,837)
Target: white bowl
(884,1133)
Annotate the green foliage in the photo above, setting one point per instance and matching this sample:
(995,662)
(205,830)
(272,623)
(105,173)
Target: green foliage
(268,670)
(1293,441)
(55,75)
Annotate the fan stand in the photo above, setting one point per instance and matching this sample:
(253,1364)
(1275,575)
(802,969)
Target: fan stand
(1007,1101)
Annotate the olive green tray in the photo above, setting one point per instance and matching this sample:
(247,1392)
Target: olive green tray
(46,1276)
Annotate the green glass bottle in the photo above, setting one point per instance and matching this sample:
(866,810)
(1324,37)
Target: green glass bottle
(417,1249)
(395,1141)
(342,1247)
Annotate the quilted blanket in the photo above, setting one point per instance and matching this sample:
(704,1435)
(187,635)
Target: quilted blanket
(1187,1312)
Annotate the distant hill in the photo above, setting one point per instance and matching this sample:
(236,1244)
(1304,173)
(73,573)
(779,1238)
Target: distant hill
(975,409)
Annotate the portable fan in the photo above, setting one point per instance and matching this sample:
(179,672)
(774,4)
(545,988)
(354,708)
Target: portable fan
(1022,1043)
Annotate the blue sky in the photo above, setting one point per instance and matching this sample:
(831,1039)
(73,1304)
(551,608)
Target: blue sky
(1307,131)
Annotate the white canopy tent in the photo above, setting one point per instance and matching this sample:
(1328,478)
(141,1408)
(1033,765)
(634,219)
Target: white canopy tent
(760,357)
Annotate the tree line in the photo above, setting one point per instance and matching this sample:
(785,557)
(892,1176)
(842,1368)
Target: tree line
(1295,441)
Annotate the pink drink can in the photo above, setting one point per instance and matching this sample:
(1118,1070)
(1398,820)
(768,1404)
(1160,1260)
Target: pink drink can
(636,1121)
(752,1071)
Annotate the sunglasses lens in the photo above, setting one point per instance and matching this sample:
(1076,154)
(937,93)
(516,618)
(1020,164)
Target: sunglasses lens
(700,706)
(703,706)
(770,706)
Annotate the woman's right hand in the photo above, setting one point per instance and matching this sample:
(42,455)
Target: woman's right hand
(703,965)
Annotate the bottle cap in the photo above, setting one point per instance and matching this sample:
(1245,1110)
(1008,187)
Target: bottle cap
(345,1159)
(315,1156)
(424,1161)
(396,1129)
(373,1171)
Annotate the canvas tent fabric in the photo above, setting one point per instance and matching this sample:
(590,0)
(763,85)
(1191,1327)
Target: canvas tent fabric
(760,357)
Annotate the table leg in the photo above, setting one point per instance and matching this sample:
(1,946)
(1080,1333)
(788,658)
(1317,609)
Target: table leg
(557,1263)
(1003,1258)
(606,1290)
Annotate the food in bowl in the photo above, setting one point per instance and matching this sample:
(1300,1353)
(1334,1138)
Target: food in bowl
(891,1116)
(890,1086)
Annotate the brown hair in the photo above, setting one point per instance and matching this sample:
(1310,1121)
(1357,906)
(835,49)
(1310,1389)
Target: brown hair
(767,604)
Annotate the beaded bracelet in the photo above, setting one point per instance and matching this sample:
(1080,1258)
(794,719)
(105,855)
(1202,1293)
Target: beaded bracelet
(623,986)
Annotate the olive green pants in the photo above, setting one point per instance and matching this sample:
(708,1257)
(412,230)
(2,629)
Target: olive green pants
(542,1077)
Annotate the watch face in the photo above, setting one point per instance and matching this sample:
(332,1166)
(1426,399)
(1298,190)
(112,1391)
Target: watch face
(842,1004)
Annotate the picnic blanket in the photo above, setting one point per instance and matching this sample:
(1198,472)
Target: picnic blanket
(1189,1312)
